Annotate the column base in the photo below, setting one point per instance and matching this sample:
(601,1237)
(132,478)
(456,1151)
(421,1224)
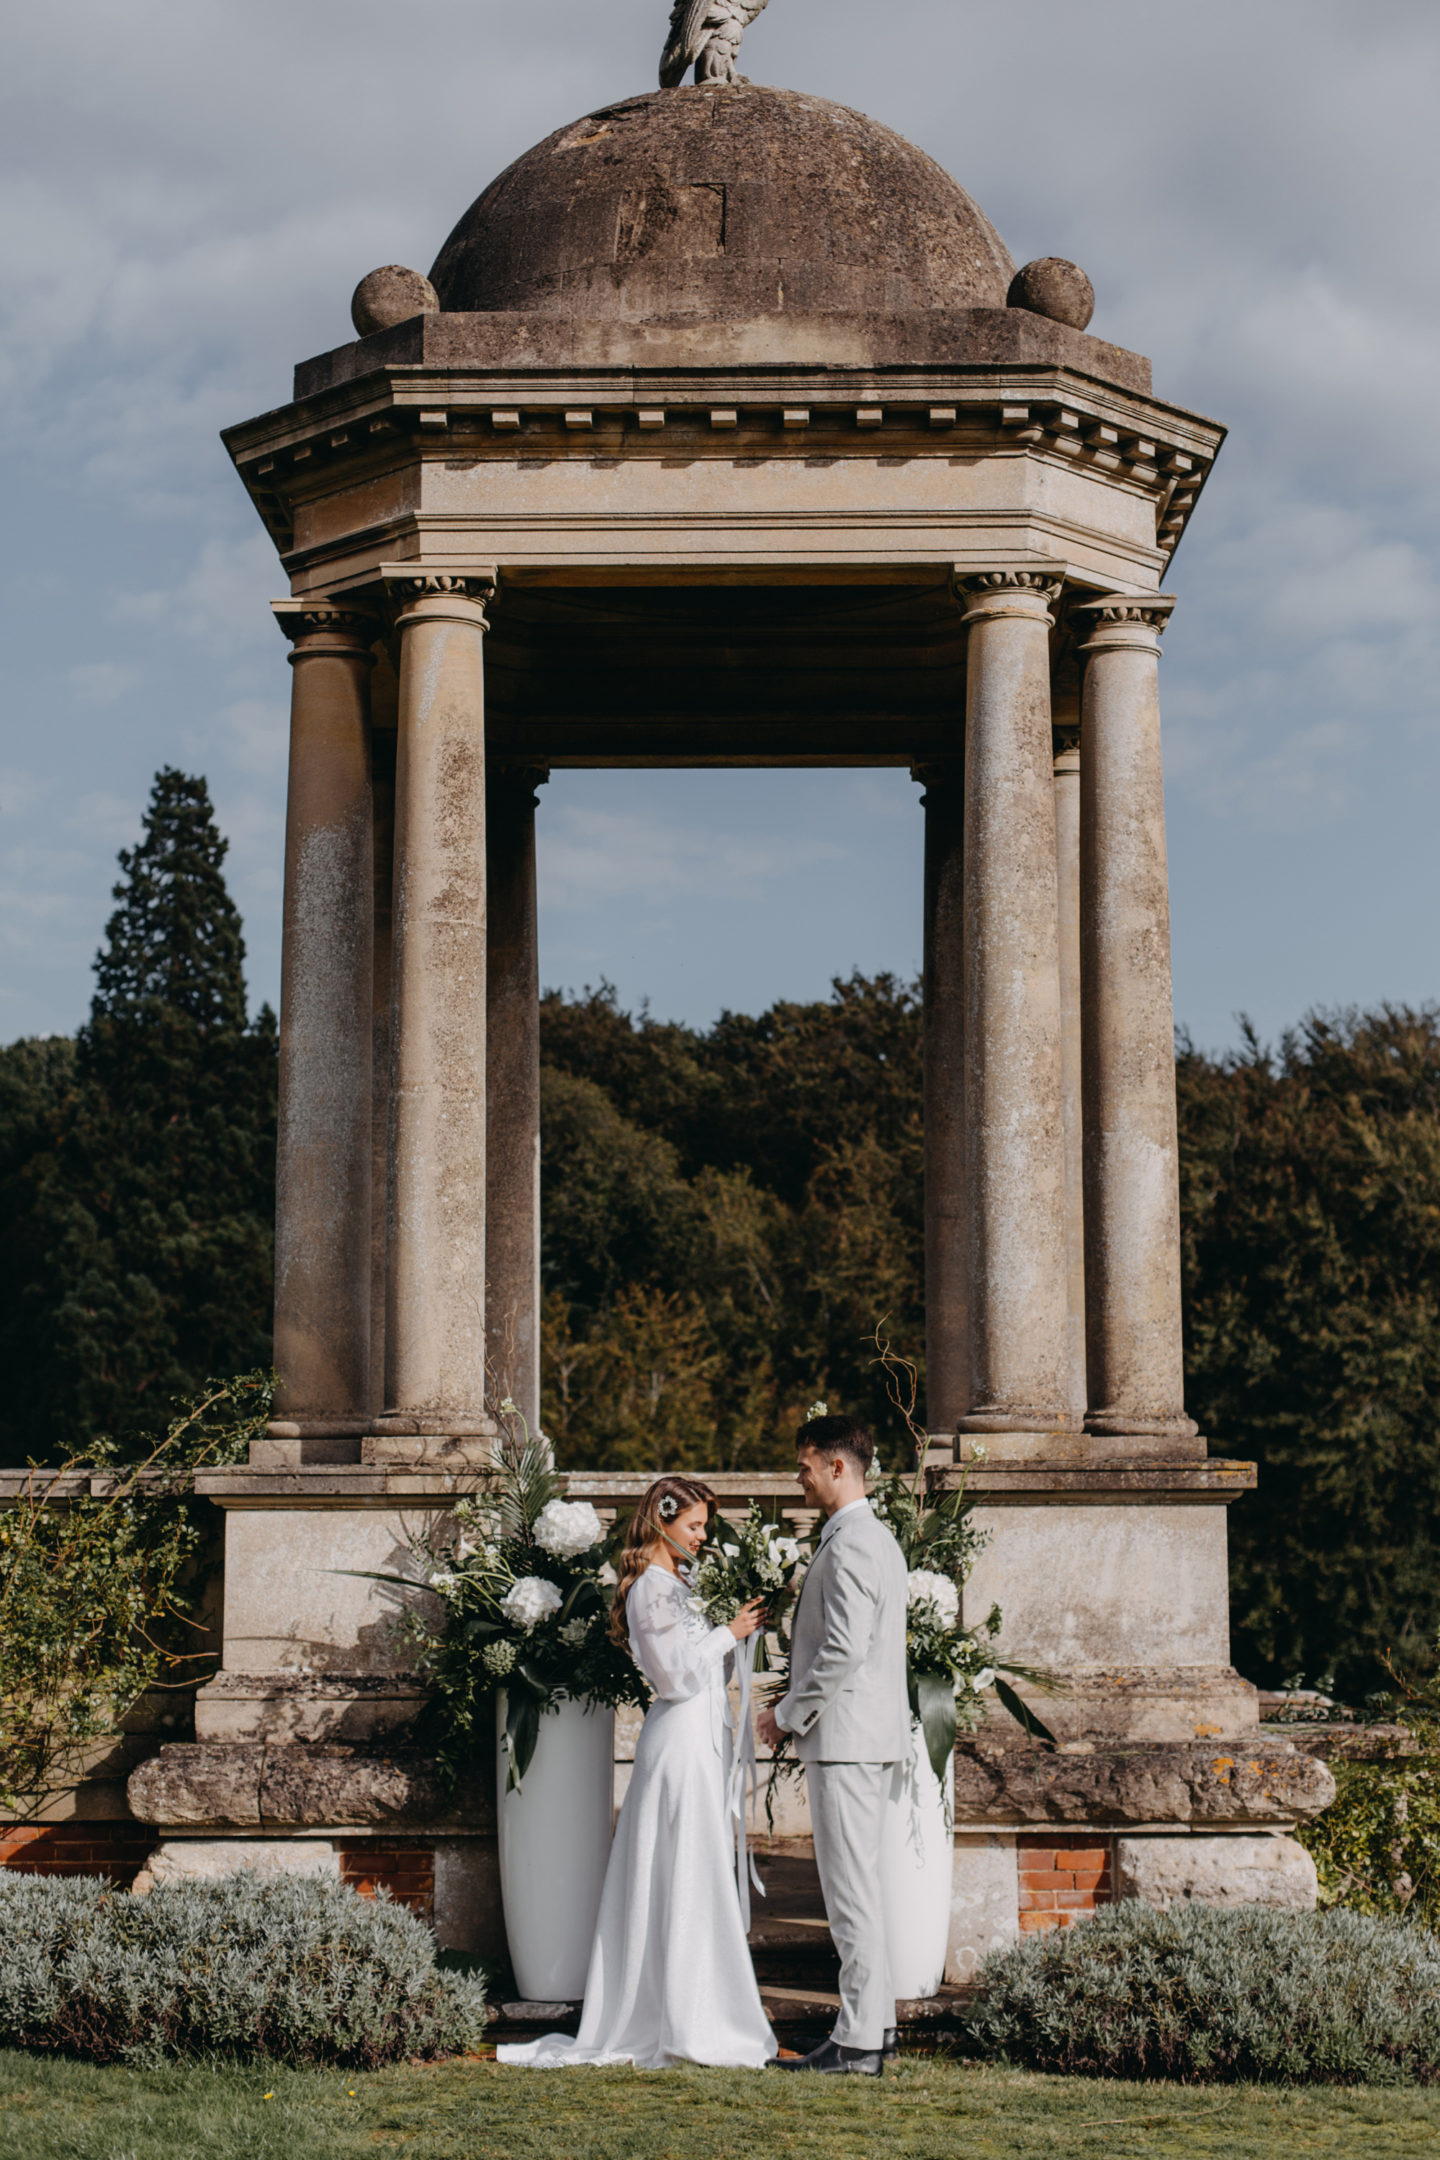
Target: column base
(428,1424)
(1122,1425)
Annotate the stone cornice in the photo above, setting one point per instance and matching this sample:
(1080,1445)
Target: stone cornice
(357,1485)
(347,430)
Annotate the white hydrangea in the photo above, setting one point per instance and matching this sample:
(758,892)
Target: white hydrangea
(530,1601)
(928,1588)
(567,1527)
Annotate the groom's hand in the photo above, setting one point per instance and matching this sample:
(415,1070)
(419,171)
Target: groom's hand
(768,1728)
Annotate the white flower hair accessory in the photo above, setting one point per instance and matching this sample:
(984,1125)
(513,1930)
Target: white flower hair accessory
(817,1409)
(669,1508)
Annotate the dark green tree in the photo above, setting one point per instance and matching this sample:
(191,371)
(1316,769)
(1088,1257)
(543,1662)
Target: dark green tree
(1311,1210)
(146,1240)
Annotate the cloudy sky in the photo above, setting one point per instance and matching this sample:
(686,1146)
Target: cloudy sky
(193,187)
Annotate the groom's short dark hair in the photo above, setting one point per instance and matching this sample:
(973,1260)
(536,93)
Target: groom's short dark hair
(839,1436)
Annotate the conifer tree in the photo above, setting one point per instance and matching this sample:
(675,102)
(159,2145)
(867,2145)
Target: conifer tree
(150,1265)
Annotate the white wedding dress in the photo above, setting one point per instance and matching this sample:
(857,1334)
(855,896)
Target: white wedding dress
(670,1977)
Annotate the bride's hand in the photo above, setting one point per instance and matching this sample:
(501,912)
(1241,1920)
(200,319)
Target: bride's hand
(748,1619)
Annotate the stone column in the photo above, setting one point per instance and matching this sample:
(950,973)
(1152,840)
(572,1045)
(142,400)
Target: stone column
(1015,1146)
(512,1211)
(322,1169)
(435,1307)
(1067,863)
(1132,1194)
(383,740)
(947,1346)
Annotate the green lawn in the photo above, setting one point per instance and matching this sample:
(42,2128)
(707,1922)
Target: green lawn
(474,2111)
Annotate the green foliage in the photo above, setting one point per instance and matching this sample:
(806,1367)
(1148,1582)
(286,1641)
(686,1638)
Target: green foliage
(726,1213)
(244,1966)
(97,1590)
(1205,1992)
(1311,1209)
(137,1166)
(1376,1848)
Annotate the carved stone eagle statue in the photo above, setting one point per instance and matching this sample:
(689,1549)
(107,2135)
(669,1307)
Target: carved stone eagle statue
(707,32)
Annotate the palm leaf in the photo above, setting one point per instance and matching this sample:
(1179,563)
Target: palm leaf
(522,1731)
(1022,1713)
(933,1698)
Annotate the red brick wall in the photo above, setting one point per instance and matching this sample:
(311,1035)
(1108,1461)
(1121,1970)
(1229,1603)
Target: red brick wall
(1062,1879)
(117,1849)
(405,1868)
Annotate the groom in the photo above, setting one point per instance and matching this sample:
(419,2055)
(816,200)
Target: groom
(848,1711)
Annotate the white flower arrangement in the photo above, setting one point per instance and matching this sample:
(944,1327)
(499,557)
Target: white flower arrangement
(529,1601)
(924,1587)
(566,1528)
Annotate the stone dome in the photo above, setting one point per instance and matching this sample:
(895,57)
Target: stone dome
(722,201)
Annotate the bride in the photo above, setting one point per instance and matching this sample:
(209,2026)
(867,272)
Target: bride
(670,1977)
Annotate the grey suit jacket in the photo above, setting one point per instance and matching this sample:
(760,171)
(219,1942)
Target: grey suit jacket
(846,1701)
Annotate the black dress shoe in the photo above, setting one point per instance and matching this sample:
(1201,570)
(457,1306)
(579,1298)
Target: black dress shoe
(890,2045)
(836,2061)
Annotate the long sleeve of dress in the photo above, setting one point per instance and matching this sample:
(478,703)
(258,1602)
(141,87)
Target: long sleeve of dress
(676,1654)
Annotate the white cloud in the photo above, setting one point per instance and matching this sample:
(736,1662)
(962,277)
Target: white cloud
(588,855)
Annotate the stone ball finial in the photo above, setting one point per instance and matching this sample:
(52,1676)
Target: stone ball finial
(1051,286)
(389,296)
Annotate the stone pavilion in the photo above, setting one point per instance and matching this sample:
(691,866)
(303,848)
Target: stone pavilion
(725,432)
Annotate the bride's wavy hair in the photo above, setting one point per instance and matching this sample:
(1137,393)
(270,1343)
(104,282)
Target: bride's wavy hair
(659,1506)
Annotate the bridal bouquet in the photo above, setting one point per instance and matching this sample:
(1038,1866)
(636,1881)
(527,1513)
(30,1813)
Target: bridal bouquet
(742,1561)
(523,1584)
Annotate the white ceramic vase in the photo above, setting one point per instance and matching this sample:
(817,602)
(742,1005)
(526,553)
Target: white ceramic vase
(917,1860)
(554,1837)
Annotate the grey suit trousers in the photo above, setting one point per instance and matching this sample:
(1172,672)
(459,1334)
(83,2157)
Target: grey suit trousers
(847,1809)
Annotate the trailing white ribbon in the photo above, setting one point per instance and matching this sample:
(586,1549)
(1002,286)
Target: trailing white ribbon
(744,1780)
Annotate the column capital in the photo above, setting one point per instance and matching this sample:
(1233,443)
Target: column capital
(1122,622)
(517,775)
(326,626)
(421,595)
(937,772)
(1027,590)
(1065,748)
